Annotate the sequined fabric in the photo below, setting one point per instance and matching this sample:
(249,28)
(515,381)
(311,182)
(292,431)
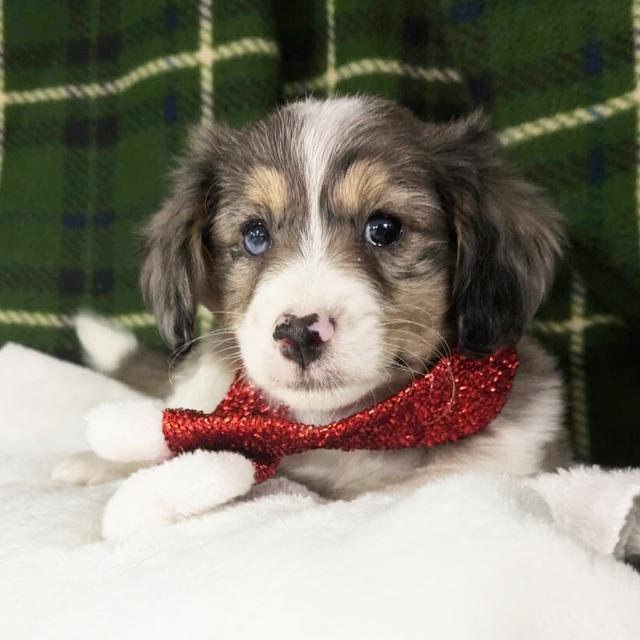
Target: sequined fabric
(458,397)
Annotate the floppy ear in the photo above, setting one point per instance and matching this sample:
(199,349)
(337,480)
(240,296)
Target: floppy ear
(508,236)
(178,251)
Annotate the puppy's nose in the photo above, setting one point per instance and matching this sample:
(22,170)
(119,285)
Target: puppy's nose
(303,339)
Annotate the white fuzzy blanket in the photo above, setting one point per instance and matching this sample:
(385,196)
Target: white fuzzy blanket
(467,557)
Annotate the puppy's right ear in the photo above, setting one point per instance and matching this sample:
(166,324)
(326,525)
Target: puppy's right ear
(178,251)
(508,236)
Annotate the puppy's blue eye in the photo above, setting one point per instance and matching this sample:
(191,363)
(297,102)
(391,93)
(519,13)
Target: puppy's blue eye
(382,230)
(256,238)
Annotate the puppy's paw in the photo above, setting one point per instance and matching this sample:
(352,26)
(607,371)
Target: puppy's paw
(187,485)
(87,468)
(106,345)
(128,431)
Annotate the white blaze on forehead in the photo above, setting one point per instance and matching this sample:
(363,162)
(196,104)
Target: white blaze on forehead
(308,283)
(324,126)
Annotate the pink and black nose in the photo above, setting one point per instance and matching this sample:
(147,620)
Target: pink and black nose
(303,339)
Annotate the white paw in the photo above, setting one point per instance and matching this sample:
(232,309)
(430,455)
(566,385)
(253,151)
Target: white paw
(129,431)
(185,486)
(87,468)
(106,345)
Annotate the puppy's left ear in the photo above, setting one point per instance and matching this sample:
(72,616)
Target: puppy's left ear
(508,237)
(179,256)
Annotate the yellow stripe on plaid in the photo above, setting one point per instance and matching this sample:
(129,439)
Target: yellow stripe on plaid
(204,320)
(577,324)
(331,78)
(158,66)
(578,386)
(635,20)
(568,119)
(206,55)
(369,66)
(1,86)
(34,319)
(44,320)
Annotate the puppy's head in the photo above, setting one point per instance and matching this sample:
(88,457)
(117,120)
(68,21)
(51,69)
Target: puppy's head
(344,244)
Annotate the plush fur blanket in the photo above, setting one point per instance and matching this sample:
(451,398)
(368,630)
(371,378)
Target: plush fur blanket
(467,557)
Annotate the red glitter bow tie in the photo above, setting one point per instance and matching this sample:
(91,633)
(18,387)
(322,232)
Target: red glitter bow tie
(458,397)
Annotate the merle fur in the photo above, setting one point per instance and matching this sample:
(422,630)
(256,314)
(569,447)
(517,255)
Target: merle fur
(505,237)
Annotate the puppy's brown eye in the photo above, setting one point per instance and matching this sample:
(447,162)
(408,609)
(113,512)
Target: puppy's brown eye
(382,230)
(256,238)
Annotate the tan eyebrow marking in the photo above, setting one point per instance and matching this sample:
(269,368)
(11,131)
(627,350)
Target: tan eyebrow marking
(267,187)
(364,181)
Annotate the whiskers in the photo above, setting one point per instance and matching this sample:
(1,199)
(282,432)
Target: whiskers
(434,347)
(410,347)
(225,350)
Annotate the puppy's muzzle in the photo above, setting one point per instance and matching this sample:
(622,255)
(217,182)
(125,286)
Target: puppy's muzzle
(303,339)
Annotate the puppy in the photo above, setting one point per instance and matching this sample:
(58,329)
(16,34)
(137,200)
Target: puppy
(343,246)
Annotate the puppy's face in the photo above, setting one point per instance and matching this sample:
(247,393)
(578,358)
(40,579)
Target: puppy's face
(344,245)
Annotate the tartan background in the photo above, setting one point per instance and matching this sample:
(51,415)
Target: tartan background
(95,96)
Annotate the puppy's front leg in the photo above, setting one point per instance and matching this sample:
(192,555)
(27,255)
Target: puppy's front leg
(128,431)
(87,468)
(132,431)
(124,436)
(185,486)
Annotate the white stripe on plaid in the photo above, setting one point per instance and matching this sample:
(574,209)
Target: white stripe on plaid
(206,57)
(42,319)
(578,386)
(158,66)
(568,119)
(371,66)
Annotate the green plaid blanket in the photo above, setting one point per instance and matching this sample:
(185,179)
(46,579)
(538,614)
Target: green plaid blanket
(95,96)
